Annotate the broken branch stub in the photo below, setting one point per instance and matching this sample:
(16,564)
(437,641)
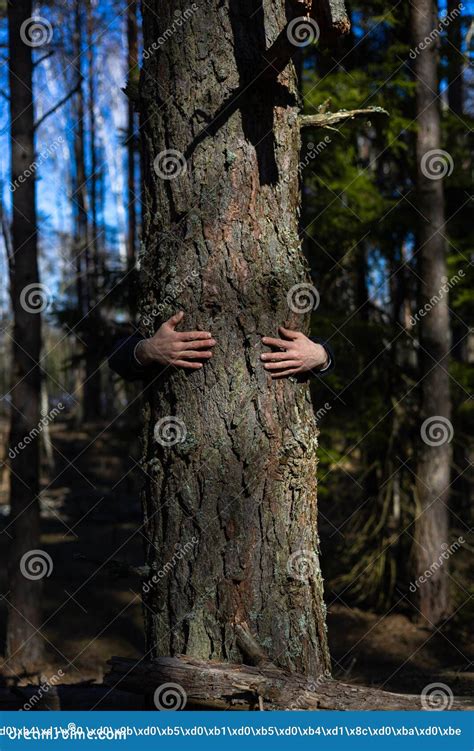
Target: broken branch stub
(330,15)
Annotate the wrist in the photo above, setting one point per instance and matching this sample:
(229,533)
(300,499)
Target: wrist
(142,353)
(327,361)
(320,352)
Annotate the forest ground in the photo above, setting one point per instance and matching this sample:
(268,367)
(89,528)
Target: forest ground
(92,507)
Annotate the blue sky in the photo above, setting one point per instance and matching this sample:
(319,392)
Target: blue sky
(52,79)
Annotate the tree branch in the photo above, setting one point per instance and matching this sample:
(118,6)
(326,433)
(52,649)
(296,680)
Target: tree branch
(42,59)
(330,15)
(249,646)
(332,19)
(58,105)
(330,119)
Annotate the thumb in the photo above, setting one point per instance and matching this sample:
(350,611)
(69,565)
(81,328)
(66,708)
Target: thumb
(174,320)
(289,333)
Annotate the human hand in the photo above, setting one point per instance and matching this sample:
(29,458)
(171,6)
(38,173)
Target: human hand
(299,355)
(179,348)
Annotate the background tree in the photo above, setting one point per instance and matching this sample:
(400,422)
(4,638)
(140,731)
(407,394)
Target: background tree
(131,137)
(434,452)
(24,643)
(92,322)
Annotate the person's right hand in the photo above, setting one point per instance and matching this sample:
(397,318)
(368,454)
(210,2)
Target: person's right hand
(183,349)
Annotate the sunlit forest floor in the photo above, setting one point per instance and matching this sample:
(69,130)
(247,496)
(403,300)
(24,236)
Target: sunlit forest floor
(92,609)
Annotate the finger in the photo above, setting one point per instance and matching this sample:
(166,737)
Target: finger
(285,373)
(189,336)
(174,320)
(270,342)
(193,355)
(200,344)
(275,356)
(285,364)
(289,333)
(186,364)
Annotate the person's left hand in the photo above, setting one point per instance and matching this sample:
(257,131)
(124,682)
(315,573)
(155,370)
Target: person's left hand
(299,354)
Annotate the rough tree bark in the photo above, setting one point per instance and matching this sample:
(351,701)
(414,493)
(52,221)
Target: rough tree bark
(24,647)
(434,458)
(216,685)
(231,508)
(133,72)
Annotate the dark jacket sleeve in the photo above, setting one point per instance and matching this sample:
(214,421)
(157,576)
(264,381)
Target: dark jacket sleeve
(330,352)
(122,358)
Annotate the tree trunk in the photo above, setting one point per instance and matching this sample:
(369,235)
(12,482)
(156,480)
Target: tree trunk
(79,197)
(93,270)
(24,646)
(434,456)
(93,380)
(133,72)
(79,207)
(455,58)
(230,508)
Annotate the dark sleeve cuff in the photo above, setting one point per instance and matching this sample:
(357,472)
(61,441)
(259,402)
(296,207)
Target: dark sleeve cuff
(330,353)
(122,358)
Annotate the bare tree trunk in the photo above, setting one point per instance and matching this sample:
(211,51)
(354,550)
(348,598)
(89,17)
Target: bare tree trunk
(80,204)
(93,175)
(455,58)
(133,72)
(81,232)
(93,380)
(230,507)
(24,646)
(434,457)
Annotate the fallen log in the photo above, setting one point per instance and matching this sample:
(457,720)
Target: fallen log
(216,685)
